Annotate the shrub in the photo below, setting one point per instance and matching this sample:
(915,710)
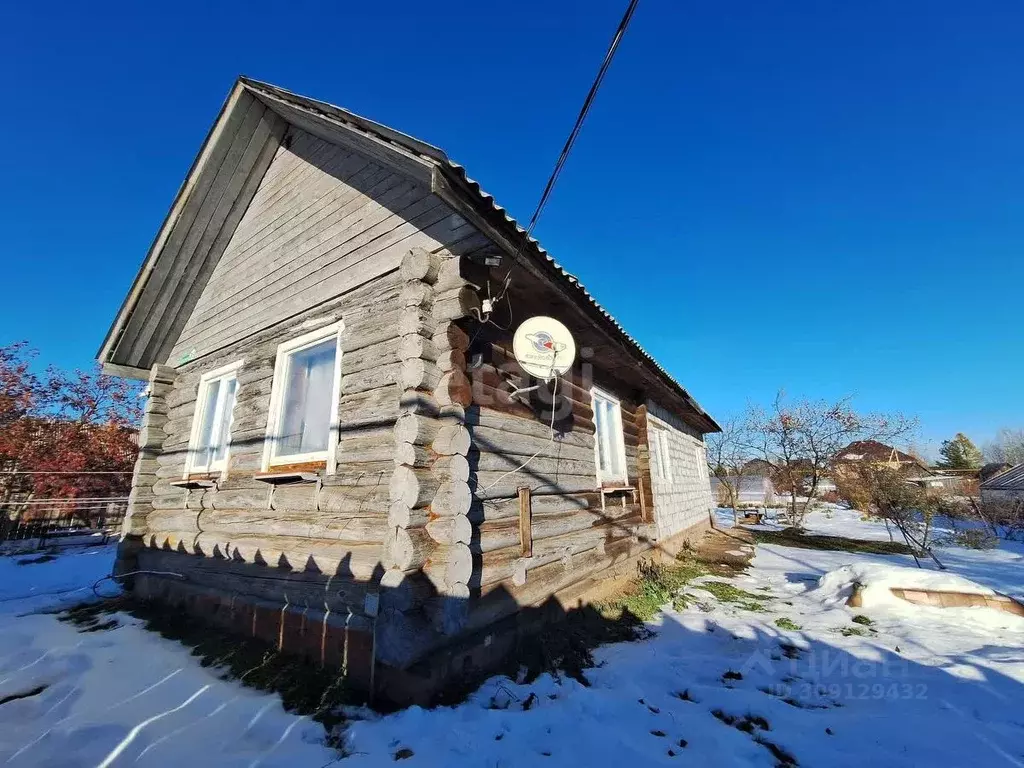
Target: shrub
(970,538)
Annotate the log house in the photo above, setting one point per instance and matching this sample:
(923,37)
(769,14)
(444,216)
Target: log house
(332,457)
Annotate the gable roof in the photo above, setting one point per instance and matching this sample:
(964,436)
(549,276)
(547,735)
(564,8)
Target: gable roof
(222,181)
(1010,480)
(872,450)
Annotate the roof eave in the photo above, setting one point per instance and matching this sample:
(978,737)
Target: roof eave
(139,283)
(449,181)
(451,184)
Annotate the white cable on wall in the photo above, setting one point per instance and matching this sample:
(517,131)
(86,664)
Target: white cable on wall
(554,393)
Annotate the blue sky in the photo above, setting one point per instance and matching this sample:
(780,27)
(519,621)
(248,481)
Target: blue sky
(824,197)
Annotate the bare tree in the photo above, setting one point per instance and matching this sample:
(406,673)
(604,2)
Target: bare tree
(800,441)
(889,495)
(1007,447)
(729,455)
(1003,517)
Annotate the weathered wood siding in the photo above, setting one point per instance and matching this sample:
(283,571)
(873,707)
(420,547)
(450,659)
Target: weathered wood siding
(323,240)
(336,527)
(323,222)
(203,221)
(573,535)
(684,500)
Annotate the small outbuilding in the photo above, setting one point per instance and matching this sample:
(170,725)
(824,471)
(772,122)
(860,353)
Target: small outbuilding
(1005,486)
(340,454)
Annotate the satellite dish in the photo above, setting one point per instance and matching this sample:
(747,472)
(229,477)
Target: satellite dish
(544,347)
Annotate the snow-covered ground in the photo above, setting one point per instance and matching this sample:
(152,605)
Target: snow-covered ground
(717,684)
(125,696)
(1001,569)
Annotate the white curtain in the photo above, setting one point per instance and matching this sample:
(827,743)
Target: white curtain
(306,413)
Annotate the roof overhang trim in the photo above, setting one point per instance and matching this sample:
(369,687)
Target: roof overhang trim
(418,160)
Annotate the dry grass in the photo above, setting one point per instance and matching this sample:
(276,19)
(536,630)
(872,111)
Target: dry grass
(792,537)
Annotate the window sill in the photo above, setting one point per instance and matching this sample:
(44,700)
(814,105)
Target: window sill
(196,482)
(308,472)
(617,488)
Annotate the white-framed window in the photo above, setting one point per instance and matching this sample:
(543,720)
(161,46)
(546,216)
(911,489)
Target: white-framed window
(702,463)
(661,457)
(211,426)
(303,422)
(609,446)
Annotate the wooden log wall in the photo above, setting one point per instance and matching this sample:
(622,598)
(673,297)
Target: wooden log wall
(330,235)
(575,532)
(424,503)
(428,525)
(335,526)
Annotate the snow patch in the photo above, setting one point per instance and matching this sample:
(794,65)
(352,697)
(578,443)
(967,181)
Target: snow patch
(878,580)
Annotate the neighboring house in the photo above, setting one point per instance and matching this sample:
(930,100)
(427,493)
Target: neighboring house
(331,457)
(1006,486)
(963,481)
(881,455)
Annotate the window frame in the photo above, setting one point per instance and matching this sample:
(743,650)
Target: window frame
(281,365)
(224,373)
(623,479)
(702,463)
(664,463)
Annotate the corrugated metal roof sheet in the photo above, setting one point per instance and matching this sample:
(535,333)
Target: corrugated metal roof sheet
(1010,480)
(439,156)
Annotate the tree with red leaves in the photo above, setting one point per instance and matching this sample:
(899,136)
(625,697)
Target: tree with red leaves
(64,435)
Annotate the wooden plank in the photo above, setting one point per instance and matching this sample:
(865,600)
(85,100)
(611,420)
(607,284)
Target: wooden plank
(229,270)
(213,146)
(338,196)
(483,420)
(228,523)
(215,241)
(497,485)
(272,293)
(231,176)
(329,129)
(299,237)
(317,289)
(303,588)
(525,522)
(237,130)
(291,181)
(360,561)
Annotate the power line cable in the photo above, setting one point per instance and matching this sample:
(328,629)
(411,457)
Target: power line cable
(613,46)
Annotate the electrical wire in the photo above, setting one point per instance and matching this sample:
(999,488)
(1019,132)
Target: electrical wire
(525,464)
(85,501)
(66,472)
(613,46)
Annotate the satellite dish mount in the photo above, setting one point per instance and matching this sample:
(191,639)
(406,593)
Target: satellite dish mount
(544,349)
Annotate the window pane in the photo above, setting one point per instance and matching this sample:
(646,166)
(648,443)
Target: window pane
(608,436)
(205,444)
(227,394)
(602,430)
(614,439)
(656,454)
(305,422)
